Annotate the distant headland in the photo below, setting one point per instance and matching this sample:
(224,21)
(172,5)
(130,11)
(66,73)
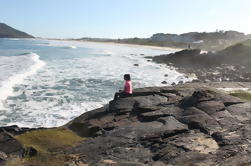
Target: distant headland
(210,41)
(9,32)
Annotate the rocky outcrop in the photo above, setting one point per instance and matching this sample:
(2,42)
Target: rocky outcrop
(184,125)
(9,146)
(9,32)
(230,64)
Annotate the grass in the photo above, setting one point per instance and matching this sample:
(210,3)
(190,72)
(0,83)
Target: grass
(50,144)
(49,140)
(242,95)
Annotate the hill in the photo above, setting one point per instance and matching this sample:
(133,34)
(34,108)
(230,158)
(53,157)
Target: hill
(9,32)
(210,41)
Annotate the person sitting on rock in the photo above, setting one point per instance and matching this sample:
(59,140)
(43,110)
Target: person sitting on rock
(127,88)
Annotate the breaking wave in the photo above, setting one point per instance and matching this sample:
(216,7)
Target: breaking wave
(21,72)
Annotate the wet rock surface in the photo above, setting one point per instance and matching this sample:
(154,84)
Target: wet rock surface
(184,125)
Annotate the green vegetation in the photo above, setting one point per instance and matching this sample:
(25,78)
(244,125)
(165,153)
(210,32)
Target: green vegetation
(47,140)
(241,49)
(50,144)
(247,42)
(242,95)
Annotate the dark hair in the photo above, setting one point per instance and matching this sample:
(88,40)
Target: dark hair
(127,77)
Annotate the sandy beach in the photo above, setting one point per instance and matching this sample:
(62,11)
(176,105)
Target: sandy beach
(123,44)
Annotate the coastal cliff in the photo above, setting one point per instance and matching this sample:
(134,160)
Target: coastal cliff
(189,124)
(9,32)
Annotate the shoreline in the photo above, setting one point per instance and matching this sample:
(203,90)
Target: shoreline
(138,45)
(121,44)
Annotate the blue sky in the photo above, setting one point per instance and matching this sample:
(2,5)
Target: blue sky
(124,18)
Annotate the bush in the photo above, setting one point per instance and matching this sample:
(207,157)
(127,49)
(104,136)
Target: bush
(242,95)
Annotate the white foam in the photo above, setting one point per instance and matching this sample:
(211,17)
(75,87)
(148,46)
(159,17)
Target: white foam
(6,88)
(72,47)
(66,88)
(233,89)
(13,39)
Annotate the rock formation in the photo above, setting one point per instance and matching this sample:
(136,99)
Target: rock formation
(185,125)
(230,64)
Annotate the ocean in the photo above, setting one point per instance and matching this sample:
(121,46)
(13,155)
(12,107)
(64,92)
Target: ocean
(47,83)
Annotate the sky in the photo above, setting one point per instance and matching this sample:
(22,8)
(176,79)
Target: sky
(124,18)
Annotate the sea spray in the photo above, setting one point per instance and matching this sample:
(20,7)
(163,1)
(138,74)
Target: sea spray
(7,86)
(75,80)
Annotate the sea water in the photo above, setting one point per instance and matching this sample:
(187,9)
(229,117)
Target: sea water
(46,83)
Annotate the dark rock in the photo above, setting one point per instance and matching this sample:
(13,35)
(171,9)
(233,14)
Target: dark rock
(84,127)
(10,145)
(225,119)
(183,125)
(228,100)
(30,151)
(238,160)
(181,82)
(242,112)
(203,95)
(164,82)
(148,101)
(14,130)
(230,64)
(211,107)
(192,158)
(136,65)
(166,111)
(126,149)
(203,122)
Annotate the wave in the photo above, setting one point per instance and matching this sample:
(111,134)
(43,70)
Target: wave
(6,88)
(15,39)
(73,47)
(69,47)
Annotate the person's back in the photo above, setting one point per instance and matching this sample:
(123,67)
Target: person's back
(128,87)
(127,91)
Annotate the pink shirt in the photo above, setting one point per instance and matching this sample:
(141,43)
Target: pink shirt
(128,87)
